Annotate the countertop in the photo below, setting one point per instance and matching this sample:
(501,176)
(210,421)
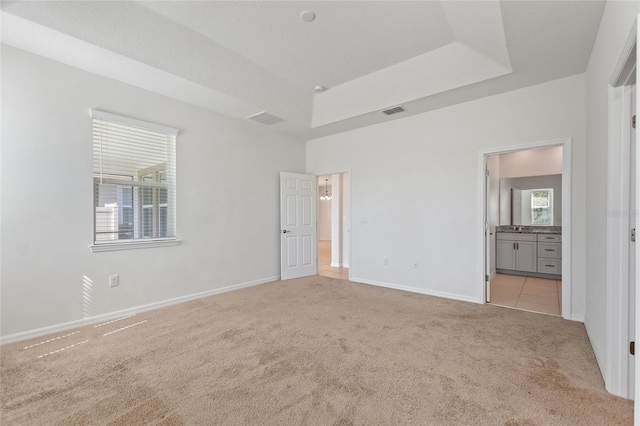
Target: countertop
(529,229)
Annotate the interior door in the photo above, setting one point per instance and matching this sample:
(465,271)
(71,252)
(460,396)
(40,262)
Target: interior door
(487,236)
(636,261)
(632,245)
(298,232)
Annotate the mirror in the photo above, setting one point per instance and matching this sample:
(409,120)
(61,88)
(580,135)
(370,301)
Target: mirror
(531,200)
(532,207)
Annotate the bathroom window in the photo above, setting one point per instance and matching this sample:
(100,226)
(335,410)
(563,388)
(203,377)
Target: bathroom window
(541,207)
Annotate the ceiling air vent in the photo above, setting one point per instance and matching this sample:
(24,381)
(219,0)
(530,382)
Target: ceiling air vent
(265,118)
(393,110)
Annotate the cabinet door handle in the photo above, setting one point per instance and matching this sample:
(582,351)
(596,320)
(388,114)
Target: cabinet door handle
(549,250)
(517,246)
(514,245)
(550,266)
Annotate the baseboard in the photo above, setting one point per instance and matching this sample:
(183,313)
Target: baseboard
(345,265)
(596,350)
(576,317)
(334,265)
(135,310)
(417,290)
(492,275)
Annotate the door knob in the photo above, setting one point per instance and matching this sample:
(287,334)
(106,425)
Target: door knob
(285,231)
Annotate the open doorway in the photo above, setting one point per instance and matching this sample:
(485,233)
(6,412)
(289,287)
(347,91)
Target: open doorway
(333,225)
(526,211)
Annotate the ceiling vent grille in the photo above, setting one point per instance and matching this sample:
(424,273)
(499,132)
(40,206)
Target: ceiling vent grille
(394,110)
(265,118)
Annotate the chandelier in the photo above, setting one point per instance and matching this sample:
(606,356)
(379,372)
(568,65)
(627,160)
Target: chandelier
(327,195)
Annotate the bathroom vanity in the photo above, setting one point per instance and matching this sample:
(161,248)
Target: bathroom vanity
(529,250)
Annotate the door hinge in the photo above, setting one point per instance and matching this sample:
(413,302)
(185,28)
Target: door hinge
(487,173)
(633,121)
(633,235)
(632,348)
(486,278)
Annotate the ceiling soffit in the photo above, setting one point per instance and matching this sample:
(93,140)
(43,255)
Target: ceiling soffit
(423,57)
(478,53)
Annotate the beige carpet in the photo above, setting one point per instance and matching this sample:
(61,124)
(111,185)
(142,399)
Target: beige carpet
(312,351)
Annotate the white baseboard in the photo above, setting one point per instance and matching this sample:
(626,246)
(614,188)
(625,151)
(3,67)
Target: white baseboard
(492,275)
(596,350)
(576,317)
(135,310)
(417,290)
(345,265)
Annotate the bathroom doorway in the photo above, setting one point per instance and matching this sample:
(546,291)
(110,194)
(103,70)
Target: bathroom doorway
(333,226)
(526,237)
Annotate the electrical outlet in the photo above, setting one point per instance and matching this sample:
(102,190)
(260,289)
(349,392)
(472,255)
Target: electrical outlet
(416,265)
(385,262)
(364,219)
(114,280)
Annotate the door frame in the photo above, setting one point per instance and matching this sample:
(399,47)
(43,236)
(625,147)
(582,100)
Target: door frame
(565,143)
(616,368)
(350,209)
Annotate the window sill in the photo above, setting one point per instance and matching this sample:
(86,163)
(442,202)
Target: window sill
(129,245)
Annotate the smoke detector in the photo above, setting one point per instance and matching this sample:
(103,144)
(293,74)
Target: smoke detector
(307,16)
(320,89)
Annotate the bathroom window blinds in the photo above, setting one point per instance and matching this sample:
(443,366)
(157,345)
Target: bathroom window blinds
(134,179)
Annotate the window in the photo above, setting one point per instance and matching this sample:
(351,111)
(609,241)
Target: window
(541,207)
(134,179)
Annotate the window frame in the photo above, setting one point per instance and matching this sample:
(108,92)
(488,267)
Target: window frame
(156,185)
(548,208)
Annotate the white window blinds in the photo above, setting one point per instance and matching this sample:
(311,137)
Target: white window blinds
(134,172)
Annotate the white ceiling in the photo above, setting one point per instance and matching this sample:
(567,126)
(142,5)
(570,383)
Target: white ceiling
(239,58)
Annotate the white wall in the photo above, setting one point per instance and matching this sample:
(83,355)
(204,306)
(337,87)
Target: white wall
(617,22)
(346,220)
(227,206)
(324,211)
(416,181)
(532,162)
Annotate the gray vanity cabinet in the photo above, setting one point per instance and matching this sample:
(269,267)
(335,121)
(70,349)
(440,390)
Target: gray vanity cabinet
(550,254)
(517,252)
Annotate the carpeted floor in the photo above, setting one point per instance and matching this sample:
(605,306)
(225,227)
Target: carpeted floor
(312,351)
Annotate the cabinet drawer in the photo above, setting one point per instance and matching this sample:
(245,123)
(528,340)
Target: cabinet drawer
(552,250)
(550,238)
(512,236)
(550,266)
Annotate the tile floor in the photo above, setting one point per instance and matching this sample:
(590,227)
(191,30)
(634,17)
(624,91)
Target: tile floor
(324,263)
(527,293)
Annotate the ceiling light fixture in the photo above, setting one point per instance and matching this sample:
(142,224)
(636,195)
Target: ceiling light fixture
(320,89)
(327,195)
(307,16)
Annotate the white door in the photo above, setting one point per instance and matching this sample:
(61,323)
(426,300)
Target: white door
(632,245)
(636,261)
(487,235)
(298,234)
